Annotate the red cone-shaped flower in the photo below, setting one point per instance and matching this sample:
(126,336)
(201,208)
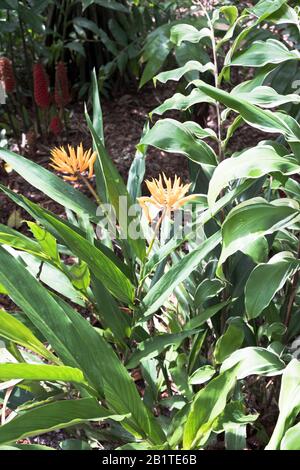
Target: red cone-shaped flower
(41,86)
(62,93)
(55,125)
(7,74)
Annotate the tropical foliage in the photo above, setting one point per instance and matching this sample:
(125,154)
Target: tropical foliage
(175,340)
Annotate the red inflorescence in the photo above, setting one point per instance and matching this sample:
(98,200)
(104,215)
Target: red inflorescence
(7,74)
(55,125)
(62,93)
(41,86)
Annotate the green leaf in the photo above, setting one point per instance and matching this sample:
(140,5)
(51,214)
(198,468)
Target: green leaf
(38,213)
(49,184)
(109,312)
(202,318)
(254,361)
(291,439)
(78,344)
(182,102)
(98,126)
(176,74)
(266,279)
(264,96)
(13,330)
(229,342)
(46,241)
(207,405)
(57,415)
(206,290)
(187,32)
(248,223)
(174,137)
(289,403)
(152,347)
(252,163)
(103,267)
(40,372)
(160,292)
(261,53)
(202,375)
(264,120)
(137,169)
(11,237)
(264,8)
(117,195)
(155,52)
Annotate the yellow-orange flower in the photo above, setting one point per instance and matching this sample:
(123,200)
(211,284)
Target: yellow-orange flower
(165,196)
(74,162)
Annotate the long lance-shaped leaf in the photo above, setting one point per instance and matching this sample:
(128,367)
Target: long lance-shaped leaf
(10,237)
(252,163)
(207,405)
(13,330)
(117,195)
(160,292)
(75,348)
(289,403)
(98,126)
(40,372)
(264,120)
(152,347)
(50,184)
(119,389)
(57,415)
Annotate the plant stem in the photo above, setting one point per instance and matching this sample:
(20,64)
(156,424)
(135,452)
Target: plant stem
(90,188)
(155,232)
(216,78)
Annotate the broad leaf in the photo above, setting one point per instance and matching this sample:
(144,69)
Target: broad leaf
(254,361)
(57,415)
(266,279)
(289,403)
(252,163)
(207,405)
(261,53)
(40,372)
(173,136)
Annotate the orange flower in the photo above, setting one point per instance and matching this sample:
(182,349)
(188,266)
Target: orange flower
(166,198)
(74,163)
